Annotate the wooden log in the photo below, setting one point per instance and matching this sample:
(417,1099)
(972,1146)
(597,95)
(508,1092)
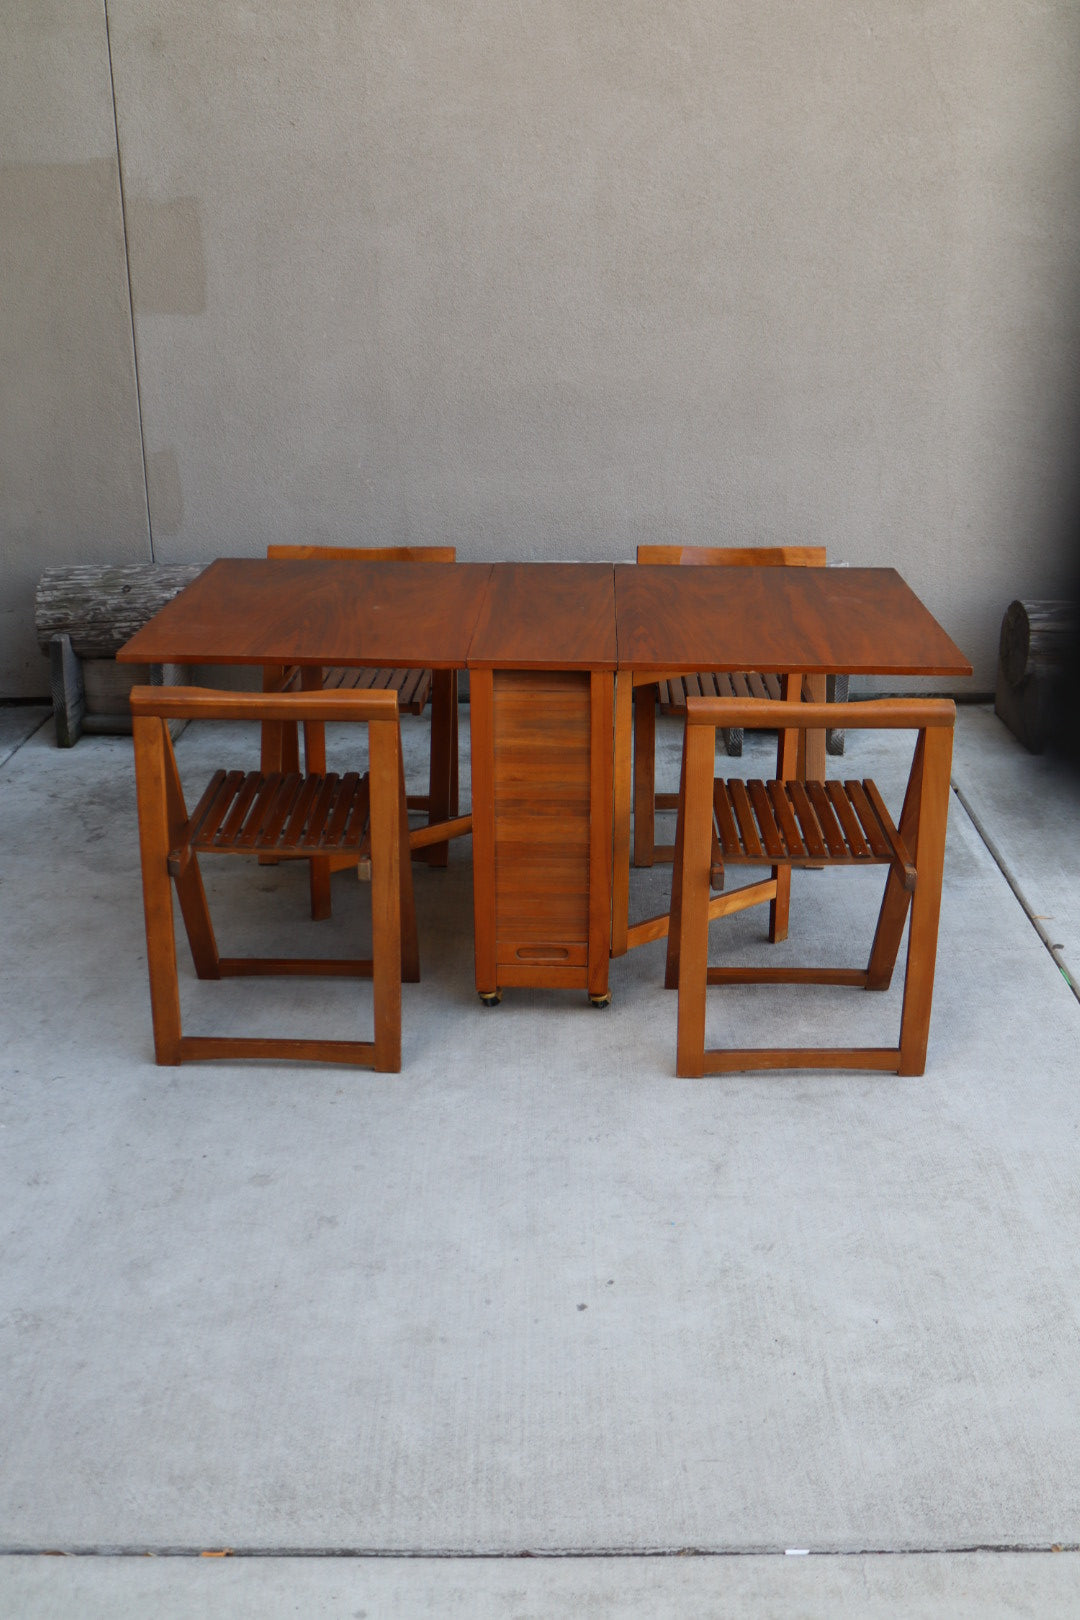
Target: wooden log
(92,695)
(108,685)
(1038,643)
(99,607)
(1035,635)
(1030,710)
(67,692)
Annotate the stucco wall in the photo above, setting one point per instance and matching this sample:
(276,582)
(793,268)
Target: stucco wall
(552,279)
(71,474)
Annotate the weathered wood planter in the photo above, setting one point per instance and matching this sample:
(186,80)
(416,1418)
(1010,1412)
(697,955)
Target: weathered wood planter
(1037,641)
(83,615)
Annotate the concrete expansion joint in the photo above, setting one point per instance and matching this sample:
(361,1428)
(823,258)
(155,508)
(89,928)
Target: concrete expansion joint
(1003,867)
(494,1555)
(14,749)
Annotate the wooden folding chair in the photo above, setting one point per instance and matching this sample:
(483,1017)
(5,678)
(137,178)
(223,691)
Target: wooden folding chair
(793,823)
(286,815)
(670,695)
(414,688)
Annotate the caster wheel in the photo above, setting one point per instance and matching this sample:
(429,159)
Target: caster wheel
(490,998)
(601,1001)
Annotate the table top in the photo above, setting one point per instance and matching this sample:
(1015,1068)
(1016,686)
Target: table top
(858,621)
(547,616)
(260,611)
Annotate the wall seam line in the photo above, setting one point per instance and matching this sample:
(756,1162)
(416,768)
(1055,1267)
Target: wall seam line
(127,272)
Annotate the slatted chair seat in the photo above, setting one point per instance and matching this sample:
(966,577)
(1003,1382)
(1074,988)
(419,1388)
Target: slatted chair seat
(670,695)
(345,818)
(245,812)
(413,686)
(787,823)
(675,691)
(805,824)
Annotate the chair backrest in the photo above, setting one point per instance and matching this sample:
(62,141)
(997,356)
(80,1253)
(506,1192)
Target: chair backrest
(416,554)
(734,556)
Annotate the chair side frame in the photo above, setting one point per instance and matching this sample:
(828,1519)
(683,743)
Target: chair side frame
(922,828)
(163,820)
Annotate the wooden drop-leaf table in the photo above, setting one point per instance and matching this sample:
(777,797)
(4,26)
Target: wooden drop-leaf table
(554,651)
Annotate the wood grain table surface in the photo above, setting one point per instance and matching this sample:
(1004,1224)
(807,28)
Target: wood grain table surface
(595,616)
(855,621)
(270,611)
(547,616)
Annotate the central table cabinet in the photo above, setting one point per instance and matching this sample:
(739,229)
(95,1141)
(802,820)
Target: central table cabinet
(541,680)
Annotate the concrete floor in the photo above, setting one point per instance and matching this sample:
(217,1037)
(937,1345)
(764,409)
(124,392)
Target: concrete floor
(386,1334)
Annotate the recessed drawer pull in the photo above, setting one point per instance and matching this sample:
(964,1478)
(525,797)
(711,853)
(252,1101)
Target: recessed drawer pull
(542,953)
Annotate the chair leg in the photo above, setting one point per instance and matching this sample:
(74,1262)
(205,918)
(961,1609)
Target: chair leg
(693,855)
(621,800)
(189,883)
(150,788)
(280,750)
(443,749)
(410,948)
(645,700)
(812,743)
(386,881)
(896,899)
(311,680)
(787,753)
(674,936)
(455,754)
(926,903)
(279,743)
(272,731)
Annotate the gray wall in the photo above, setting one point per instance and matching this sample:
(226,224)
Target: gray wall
(542,280)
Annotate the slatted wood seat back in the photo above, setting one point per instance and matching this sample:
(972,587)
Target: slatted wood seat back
(788,823)
(289,815)
(671,694)
(414,688)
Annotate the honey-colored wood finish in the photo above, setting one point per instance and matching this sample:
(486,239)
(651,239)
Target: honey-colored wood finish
(792,823)
(586,619)
(670,694)
(732,557)
(858,621)
(289,816)
(541,837)
(601,785)
(621,801)
(542,667)
(413,687)
(314,612)
(547,616)
(320,612)
(482,729)
(816,621)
